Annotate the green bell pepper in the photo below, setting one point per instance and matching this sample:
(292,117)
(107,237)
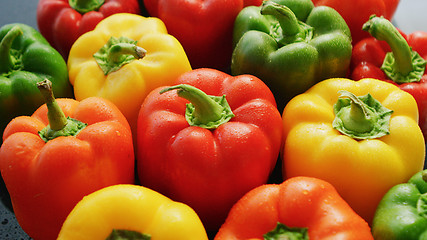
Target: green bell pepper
(290,45)
(402,213)
(27,58)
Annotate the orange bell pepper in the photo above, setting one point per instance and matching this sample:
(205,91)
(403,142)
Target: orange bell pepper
(299,208)
(47,172)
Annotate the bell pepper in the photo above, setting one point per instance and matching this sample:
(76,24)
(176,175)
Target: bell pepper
(402,212)
(131,210)
(64,151)
(123,59)
(392,56)
(290,46)
(204,28)
(61,22)
(356,13)
(27,58)
(299,208)
(363,138)
(209,142)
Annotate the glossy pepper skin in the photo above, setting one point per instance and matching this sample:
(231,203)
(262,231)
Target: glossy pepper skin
(142,56)
(46,178)
(290,46)
(311,207)
(141,210)
(61,22)
(204,28)
(362,170)
(395,57)
(402,213)
(27,58)
(356,13)
(208,167)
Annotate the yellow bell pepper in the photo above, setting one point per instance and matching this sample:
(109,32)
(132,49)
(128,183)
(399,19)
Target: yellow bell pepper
(362,145)
(131,210)
(123,59)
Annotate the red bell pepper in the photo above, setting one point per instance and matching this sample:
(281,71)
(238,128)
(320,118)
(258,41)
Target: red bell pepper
(394,57)
(50,162)
(299,208)
(209,153)
(356,13)
(204,28)
(61,22)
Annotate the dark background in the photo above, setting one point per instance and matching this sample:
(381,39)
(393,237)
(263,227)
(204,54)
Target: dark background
(409,17)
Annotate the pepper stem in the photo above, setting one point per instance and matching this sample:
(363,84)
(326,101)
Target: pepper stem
(287,233)
(116,53)
(119,234)
(361,117)
(84,6)
(358,118)
(402,64)
(56,116)
(59,125)
(203,110)
(291,29)
(118,50)
(6,59)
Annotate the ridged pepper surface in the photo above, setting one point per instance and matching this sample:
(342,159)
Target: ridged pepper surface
(64,151)
(361,136)
(207,154)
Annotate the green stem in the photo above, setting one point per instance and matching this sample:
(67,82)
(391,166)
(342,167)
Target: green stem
(358,119)
(283,232)
(84,6)
(404,61)
(119,234)
(118,50)
(291,29)
(59,125)
(204,110)
(56,116)
(287,19)
(361,117)
(6,60)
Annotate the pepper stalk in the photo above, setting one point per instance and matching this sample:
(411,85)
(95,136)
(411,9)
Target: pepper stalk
(7,59)
(117,52)
(283,232)
(402,65)
(118,234)
(289,28)
(59,124)
(203,110)
(84,6)
(361,117)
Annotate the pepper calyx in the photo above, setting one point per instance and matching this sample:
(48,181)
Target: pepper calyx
(361,117)
(402,64)
(84,6)
(289,233)
(119,234)
(118,52)
(204,110)
(422,205)
(59,125)
(288,28)
(10,58)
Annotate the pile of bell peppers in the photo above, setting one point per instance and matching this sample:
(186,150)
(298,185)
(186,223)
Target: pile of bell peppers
(260,120)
